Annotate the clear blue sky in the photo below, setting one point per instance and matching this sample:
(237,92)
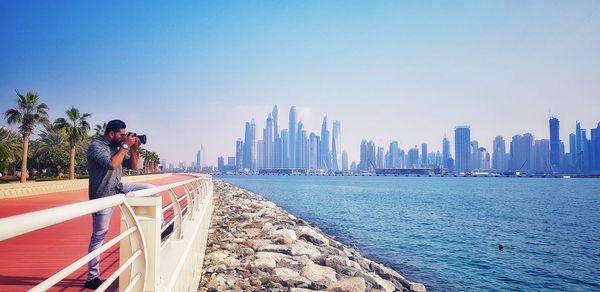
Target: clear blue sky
(190,73)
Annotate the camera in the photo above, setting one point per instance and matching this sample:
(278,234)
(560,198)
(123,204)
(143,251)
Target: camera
(142,138)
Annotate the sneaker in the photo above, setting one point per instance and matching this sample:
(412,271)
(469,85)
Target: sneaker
(93,283)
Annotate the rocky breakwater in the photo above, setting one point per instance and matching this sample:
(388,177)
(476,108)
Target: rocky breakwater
(253,245)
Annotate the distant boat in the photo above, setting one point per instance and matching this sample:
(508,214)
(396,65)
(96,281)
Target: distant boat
(566,176)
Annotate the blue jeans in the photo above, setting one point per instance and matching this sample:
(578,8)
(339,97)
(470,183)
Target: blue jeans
(101,220)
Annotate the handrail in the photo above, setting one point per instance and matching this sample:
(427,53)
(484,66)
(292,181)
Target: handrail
(21,224)
(158,189)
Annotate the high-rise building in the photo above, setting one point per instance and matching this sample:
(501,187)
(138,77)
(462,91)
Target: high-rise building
(521,153)
(445,152)
(573,149)
(394,159)
(199,157)
(302,146)
(325,152)
(412,158)
(554,143)
(336,146)
(292,137)
(474,155)
(595,148)
(268,143)
(462,140)
(260,154)
(344,161)
(239,154)
(541,156)
(221,163)
(285,147)
(380,157)
(250,146)
(231,161)
(277,143)
(499,161)
(484,159)
(424,157)
(367,156)
(312,151)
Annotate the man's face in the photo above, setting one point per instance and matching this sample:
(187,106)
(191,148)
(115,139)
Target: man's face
(116,138)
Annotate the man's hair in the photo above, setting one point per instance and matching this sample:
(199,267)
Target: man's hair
(114,126)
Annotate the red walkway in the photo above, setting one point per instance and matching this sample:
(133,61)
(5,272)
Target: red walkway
(29,259)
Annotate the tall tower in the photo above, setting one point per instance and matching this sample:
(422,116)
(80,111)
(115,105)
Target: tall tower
(336,146)
(499,155)
(250,146)
(554,143)
(325,152)
(445,152)
(268,146)
(239,154)
(292,137)
(424,155)
(277,144)
(462,145)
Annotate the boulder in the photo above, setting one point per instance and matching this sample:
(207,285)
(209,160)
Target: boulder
(319,274)
(354,284)
(279,248)
(286,236)
(301,248)
(340,263)
(312,236)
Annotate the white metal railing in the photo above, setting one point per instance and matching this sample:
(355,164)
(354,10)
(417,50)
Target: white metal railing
(21,224)
(141,248)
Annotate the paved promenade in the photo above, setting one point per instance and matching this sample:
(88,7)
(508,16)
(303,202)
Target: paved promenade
(29,259)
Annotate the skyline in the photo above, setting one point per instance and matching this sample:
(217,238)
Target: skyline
(388,71)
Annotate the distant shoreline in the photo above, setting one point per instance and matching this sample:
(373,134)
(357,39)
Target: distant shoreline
(566,176)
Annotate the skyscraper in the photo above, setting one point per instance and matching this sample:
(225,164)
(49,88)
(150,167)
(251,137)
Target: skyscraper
(260,154)
(595,148)
(250,146)
(521,153)
(325,152)
(285,147)
(344,161)
(462,139)
(312,151)
(302,146)
(412,158)
(554,143)
(292,137)
(475,155)
(380,157)
(239,154)
(499,162)
(336,146)
(268,143)
(277,143)
(394,155)
(367,156)
(424,152)
(445,152)
(199,157)
(541,156)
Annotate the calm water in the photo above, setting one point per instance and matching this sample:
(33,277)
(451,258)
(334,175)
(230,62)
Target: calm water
(444,231)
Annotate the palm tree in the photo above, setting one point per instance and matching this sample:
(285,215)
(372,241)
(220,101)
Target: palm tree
(29,113)
(76,128)
(99,130)
(10,146)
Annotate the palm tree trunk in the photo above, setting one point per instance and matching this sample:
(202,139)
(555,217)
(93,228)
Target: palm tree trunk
(24,159)
(72,162)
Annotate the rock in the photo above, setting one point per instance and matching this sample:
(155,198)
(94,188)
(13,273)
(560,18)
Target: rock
(417,287)
(312,236)
(304,249)
(319,274)
(286,236)
(276,248)
(302,290)
(340,264)
(252,232)
(216,256)
(217,283)
(285,273)
(376,281)
(354,284)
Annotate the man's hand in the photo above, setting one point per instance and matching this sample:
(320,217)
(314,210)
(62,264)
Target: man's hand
(136,145)
(130,140)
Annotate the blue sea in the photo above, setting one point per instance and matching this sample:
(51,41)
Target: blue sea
(444,231)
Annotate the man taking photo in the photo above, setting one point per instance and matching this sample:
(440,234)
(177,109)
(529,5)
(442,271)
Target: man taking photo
(105,158)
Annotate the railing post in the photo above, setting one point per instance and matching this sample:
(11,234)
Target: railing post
(148,211)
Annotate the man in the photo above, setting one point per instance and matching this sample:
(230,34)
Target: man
(105,156)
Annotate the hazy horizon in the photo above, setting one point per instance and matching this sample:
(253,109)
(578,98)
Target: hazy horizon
(192,74)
